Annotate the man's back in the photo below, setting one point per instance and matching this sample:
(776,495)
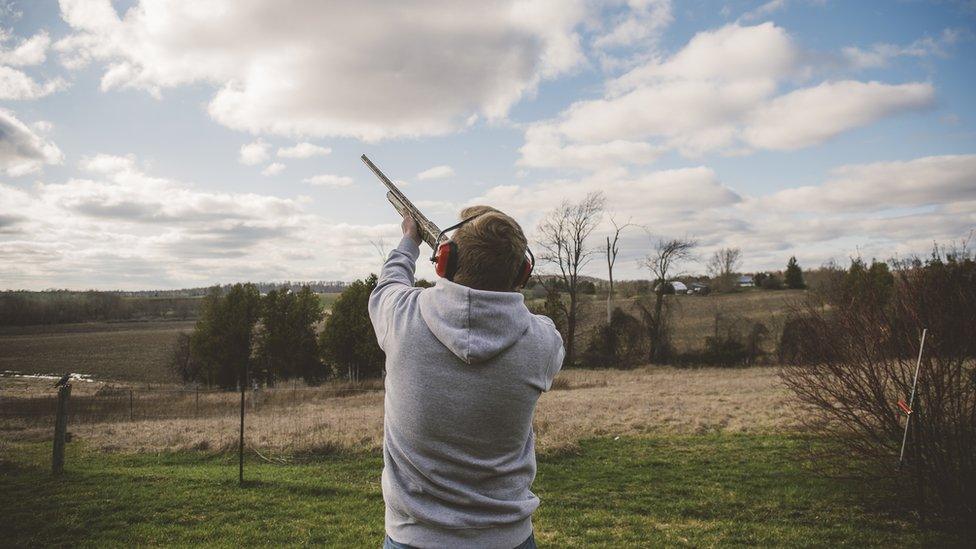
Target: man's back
(465,368)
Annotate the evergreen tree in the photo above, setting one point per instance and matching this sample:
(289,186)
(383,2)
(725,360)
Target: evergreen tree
(348,341)
(221,341)
(794,275)
(287,346)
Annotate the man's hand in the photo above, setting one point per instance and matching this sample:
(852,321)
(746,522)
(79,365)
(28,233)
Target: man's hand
(409,227)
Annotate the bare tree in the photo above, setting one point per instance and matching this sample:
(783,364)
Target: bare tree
(724,264)
(379,246)
(612,250)
(662,262)
(562,238)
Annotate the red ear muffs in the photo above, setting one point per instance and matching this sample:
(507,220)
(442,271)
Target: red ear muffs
(525,272)
(446,260)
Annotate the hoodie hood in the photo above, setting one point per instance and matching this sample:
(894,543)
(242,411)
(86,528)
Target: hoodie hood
(474,324)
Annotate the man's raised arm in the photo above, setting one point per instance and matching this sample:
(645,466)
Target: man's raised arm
(396,280)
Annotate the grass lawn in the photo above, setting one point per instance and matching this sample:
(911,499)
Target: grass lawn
(669,490)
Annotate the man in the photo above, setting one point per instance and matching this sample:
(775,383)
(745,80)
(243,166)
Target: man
(465,364)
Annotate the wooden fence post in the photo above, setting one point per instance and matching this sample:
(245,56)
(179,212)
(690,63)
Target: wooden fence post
(60,428)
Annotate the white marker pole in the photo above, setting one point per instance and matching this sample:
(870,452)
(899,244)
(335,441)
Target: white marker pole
(911,399)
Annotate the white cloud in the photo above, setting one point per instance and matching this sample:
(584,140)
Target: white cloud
(304,150)
(17,85)
(931,180)
(721,93)
(30,51)
(677,191)
(546,148)
(108,164)
(881,54)
(437,172)
(764,10)
(254,153)
(643,20)
(120,227)
(21,150)
(400,75)
(813,115)
(329,180)
(273,168)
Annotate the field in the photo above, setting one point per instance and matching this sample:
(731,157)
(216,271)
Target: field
(121,351)
(694,316)
(349,418)
(129,351)
(646,457)
(689,491)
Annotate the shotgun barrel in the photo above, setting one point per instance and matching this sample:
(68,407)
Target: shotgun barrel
(428,230)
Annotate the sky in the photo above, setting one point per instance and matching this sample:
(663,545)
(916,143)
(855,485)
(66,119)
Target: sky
(152,144)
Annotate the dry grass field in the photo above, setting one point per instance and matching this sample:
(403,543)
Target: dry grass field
(694,316)
(344,417)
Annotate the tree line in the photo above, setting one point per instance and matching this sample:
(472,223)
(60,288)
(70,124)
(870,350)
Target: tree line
(22,308)
(245,337)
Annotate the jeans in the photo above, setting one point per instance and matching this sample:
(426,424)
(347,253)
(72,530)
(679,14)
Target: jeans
(388,543)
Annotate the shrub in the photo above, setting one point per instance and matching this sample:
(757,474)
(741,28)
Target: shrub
(851,363)
(730,345)
(618,344)
(771,282)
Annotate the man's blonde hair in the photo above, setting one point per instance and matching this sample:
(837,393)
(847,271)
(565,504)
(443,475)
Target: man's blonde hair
(491,249)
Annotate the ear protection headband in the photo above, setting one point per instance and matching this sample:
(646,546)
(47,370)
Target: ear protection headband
(445,257)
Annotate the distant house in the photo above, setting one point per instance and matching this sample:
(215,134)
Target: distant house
(698,288)
(746,281)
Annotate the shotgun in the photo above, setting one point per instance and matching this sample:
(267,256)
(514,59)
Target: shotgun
(429,232)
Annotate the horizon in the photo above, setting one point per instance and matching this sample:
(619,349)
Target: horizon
(146,145)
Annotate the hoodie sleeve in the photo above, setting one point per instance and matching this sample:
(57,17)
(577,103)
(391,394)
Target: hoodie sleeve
(394,284)
(558,353)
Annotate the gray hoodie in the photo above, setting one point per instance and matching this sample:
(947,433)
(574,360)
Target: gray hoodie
(464,369)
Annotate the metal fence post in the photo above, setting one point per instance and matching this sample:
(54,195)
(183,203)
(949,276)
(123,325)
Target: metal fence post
(240,447)
(60,428)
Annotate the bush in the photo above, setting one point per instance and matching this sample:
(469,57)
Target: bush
(771,282)
(730,346)
(616,345)
(853,361)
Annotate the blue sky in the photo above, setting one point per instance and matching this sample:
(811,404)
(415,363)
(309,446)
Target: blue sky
(145,144)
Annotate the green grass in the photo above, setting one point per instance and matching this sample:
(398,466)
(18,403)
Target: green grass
(688,491)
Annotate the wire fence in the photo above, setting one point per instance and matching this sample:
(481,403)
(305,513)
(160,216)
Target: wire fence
(281,420)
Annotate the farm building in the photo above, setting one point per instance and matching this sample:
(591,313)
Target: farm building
(746,281)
